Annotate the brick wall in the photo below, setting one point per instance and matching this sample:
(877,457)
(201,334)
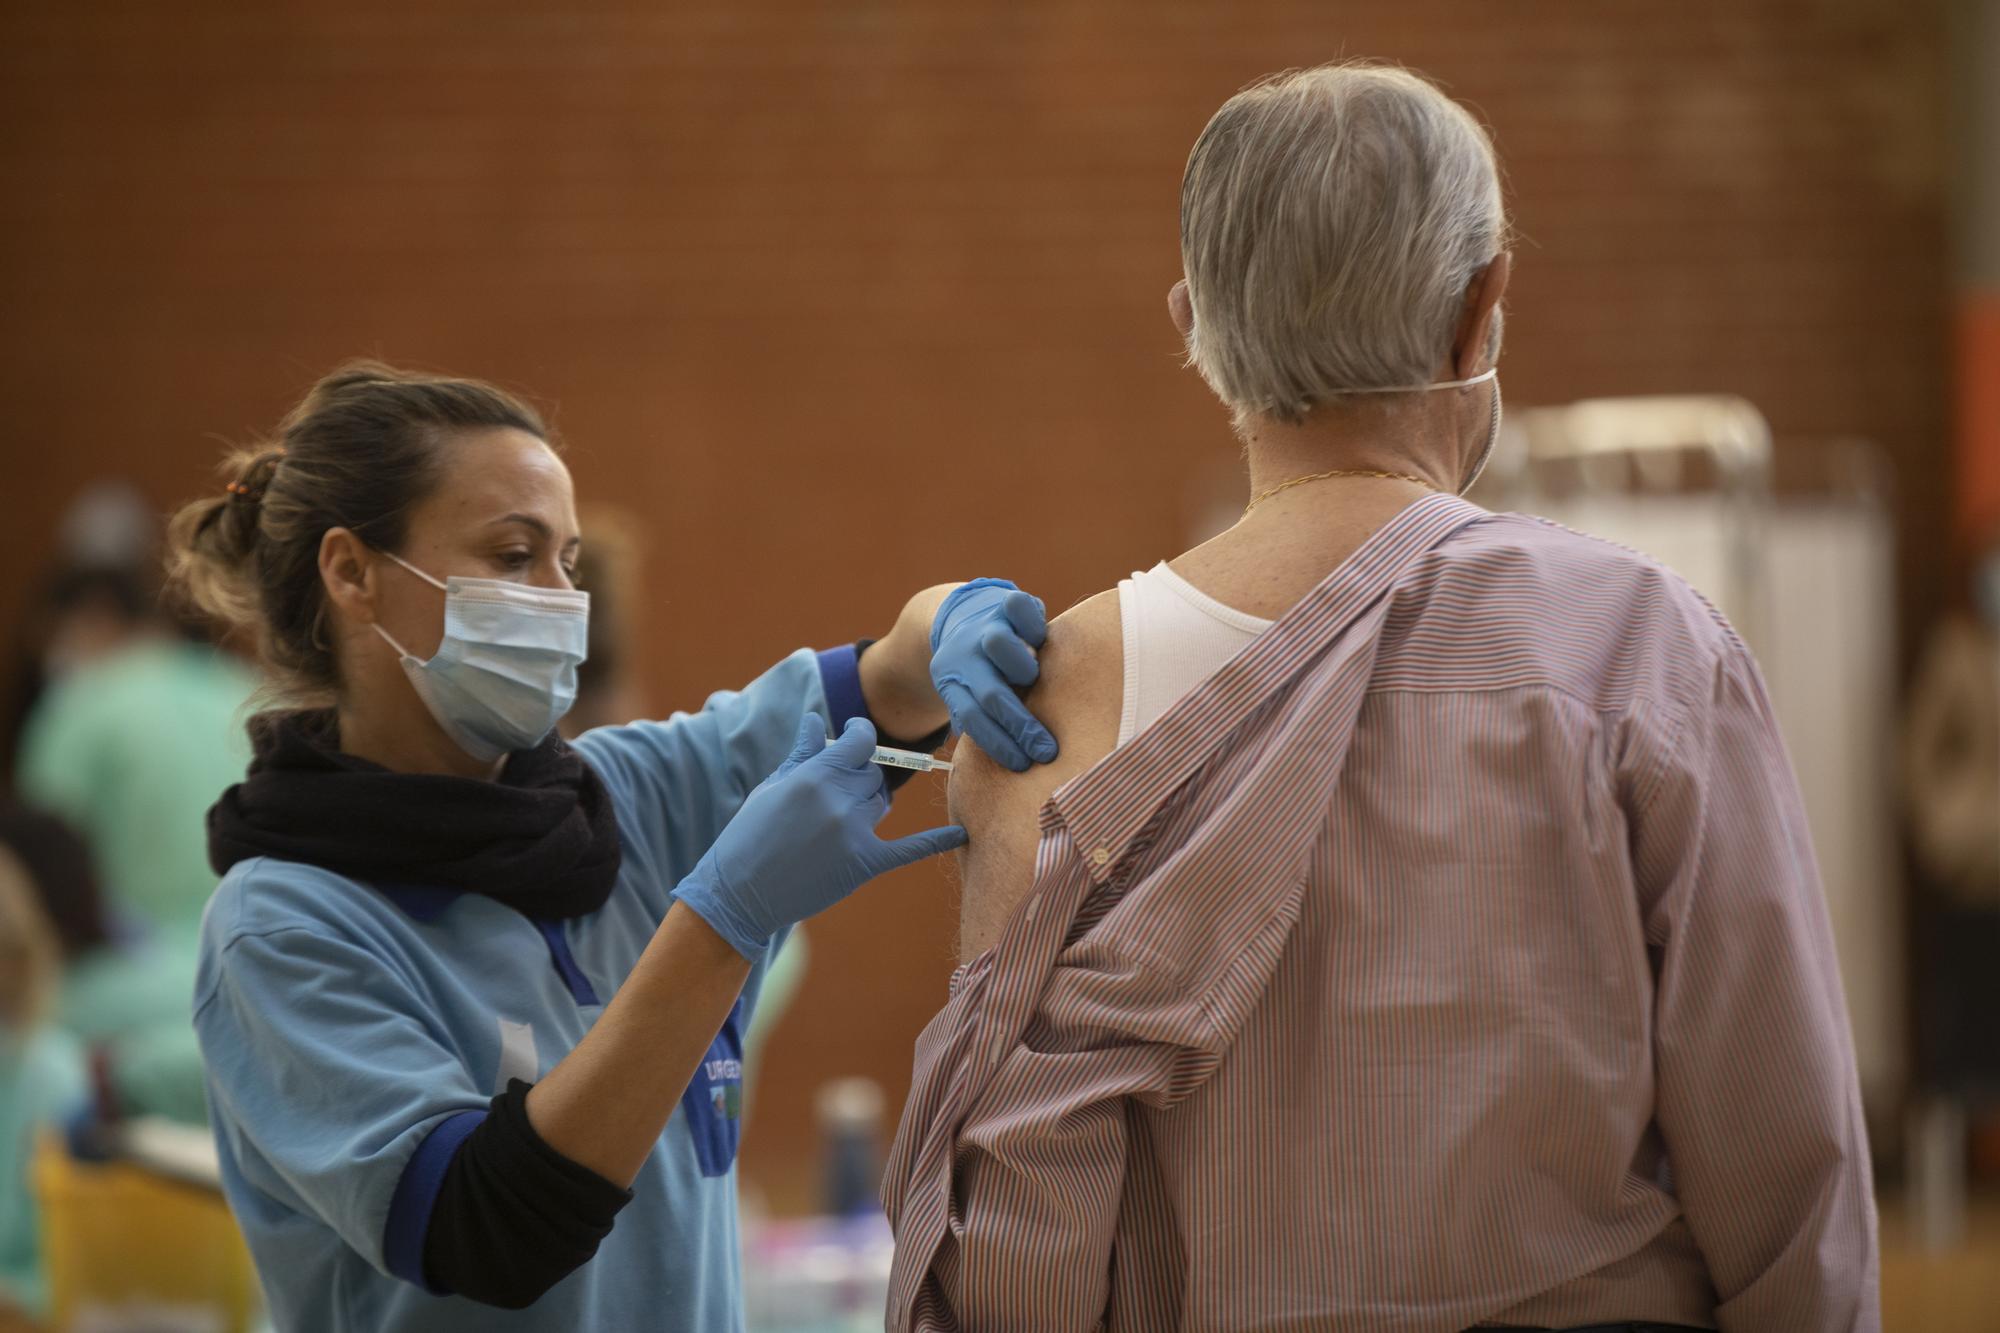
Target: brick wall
(843,299)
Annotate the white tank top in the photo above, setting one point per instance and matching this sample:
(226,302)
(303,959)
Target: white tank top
(1176,637)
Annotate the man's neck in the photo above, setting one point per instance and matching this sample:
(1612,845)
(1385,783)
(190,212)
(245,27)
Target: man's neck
(1288,542)
(1407,435)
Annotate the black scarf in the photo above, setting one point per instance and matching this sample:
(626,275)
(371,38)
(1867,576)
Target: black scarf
(543,839)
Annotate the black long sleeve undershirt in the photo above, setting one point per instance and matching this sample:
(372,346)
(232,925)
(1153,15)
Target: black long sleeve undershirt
(513,1216)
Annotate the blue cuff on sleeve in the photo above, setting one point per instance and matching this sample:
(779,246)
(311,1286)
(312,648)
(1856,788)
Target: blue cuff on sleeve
(416,1193)
(840,675)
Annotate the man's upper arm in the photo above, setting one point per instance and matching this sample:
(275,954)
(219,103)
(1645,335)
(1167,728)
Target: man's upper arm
(1078,697)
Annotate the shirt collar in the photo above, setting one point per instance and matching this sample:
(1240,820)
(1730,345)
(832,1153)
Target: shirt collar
(1105,808)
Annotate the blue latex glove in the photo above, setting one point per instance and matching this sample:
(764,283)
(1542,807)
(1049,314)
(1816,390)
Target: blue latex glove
(983,642)
(803,840)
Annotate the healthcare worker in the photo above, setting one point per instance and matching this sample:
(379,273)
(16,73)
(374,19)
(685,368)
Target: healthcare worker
(471,998)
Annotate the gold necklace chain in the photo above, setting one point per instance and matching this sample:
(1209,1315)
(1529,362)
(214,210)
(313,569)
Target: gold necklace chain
(1262,496)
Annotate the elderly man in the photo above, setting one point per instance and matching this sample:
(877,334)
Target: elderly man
(1419,929)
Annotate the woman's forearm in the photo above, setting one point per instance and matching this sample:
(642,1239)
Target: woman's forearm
(605,1104)
(896,671)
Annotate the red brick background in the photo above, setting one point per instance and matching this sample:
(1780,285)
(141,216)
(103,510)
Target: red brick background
(843,299)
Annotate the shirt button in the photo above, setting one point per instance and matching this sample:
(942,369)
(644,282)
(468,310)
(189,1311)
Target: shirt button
(1101,856)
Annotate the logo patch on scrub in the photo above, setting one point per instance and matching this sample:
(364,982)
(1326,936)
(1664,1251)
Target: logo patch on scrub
(713,1102)
(725,1085)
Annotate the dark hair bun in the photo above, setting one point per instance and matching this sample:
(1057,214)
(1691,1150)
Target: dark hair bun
(359,452)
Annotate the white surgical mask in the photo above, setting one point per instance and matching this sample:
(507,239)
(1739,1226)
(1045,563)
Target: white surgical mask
(505,671)
(1492,425)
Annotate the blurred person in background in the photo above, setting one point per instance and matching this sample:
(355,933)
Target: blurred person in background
(42,1081)
(93,598)
(122,994)
(1951,746)
(1951,791)
(471,998)
(1419,929)
(130,728)
(131,721)
(76,615)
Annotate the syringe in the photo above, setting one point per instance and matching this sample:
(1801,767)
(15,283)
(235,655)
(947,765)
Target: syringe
(891,757)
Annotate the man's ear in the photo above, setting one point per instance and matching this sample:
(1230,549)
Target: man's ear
(1479,318)
(1181,307)
(347,569)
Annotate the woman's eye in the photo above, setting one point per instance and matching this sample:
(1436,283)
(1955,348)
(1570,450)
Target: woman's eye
(515,559)
(569,572)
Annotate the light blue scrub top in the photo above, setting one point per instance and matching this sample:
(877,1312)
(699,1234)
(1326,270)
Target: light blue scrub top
(345,1027)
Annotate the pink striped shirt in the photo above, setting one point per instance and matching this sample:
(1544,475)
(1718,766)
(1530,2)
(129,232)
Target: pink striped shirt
(1454,955)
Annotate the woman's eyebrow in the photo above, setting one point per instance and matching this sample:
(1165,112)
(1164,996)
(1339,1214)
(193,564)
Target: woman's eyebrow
(527,520)
(546,532)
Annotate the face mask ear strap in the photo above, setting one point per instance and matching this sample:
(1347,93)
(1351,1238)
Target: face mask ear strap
(1492,372)
(414,570)
(1492,435)
(389,639)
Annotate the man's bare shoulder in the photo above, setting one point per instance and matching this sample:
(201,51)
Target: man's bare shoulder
(1078,696)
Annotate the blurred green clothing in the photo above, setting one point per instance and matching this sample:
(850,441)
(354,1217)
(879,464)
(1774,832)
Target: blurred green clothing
(41,1085)
(132,751)
(114,989)
(135,1002)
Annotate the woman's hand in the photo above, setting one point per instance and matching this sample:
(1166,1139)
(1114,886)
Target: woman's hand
(983,642)
(957,653)
(804,840)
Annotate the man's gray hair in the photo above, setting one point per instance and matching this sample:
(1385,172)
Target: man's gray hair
(1331,221)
